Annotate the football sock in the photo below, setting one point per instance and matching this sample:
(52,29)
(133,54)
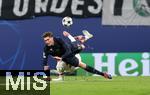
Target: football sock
(94,71)
(72,39)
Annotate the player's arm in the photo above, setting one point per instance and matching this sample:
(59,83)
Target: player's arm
(81,38)
(45,59)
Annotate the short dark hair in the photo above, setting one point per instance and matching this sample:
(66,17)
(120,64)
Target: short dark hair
(47,34)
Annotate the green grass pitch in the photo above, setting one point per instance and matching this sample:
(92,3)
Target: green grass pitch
(74,85)
(81,85)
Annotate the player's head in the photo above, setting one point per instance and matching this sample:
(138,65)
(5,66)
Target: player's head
(48,38)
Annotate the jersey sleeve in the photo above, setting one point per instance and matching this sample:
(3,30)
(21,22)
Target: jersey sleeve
(45,57)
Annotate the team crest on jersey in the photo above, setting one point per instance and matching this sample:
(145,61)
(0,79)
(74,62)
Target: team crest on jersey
(142,7)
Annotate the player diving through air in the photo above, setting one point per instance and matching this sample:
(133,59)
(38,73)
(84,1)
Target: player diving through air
(66,52)
(63,67)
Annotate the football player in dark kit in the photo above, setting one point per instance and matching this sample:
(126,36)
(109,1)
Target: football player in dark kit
(66,51)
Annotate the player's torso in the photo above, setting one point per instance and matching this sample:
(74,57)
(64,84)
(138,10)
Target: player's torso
(56,50)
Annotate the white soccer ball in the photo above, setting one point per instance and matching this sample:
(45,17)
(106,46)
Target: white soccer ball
(67,21)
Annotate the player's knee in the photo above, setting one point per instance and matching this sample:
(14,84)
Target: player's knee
(60,66)
(60,70)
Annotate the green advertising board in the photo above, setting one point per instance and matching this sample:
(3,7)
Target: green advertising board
(118,64)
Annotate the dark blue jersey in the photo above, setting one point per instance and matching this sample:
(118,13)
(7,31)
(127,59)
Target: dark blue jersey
(60,49)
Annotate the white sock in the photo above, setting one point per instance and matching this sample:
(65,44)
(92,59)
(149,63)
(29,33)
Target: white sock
(72,39)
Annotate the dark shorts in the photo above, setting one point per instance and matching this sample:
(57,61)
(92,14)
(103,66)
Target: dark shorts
(76,47)
(72,60)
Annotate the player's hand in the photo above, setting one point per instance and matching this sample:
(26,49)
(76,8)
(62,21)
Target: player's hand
(57,58)
(46,68)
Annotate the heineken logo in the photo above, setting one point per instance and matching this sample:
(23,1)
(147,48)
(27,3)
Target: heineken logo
(142,7)
(119,64)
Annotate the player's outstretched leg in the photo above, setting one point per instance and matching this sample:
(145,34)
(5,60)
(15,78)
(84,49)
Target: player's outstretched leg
(87,35)
(71,38)
(82,38)
(78,47)
(94,71)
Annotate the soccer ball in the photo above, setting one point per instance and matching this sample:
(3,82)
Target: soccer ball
(67,21)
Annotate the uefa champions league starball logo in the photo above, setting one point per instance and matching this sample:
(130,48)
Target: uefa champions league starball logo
(142,7)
